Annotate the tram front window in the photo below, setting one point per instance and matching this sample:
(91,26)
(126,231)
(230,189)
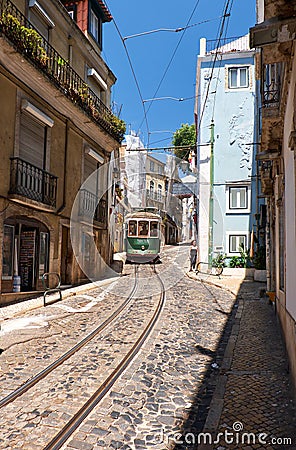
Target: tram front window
(154,229)
(132,228)
(143,228)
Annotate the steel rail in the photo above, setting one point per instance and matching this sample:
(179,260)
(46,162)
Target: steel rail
(41,375)
(66,432)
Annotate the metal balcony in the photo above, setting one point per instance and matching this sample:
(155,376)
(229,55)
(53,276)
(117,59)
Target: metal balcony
(272,82)
(91,208)
(26,39)
(32,182)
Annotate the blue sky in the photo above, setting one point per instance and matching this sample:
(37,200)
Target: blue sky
(150,56)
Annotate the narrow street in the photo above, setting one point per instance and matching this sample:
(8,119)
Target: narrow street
(161,400)
(155,393)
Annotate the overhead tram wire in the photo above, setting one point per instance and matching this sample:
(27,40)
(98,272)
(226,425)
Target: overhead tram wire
(173,30)
(225,15)
(170,62)
(133,72)
(220,64)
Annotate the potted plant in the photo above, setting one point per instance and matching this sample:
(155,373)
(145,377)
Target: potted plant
(259,262)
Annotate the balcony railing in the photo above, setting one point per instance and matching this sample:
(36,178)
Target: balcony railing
(272,76)
(26,39)
(32,182)
(91,208)
(214,44)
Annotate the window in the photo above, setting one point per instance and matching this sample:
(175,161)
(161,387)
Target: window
(238,77)
(152,166)
(235,241)
(7,258)
(159,193)
(95,24)
(40,19)
(72,11)
(132,228)
(238,198)
(151,188)
(143,228)
(34,138)
(154,229)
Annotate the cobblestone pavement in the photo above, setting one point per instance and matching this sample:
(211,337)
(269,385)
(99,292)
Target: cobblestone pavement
(252,406)
(215,359)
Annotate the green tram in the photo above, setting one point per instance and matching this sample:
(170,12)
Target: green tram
(142,236)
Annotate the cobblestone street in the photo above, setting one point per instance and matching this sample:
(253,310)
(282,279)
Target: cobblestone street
(214,361)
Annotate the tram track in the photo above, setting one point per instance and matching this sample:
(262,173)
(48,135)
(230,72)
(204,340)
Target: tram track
(71,426)
(58,362)
(127,348)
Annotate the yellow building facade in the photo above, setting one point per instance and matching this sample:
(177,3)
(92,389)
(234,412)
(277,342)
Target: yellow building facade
(56,130)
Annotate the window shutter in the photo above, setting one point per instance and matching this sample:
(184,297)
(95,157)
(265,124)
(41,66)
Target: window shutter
(32,140)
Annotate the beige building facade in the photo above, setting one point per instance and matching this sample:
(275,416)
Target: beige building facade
(56,130)
(274,37)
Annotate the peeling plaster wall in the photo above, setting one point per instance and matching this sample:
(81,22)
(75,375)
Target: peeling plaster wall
(234,134)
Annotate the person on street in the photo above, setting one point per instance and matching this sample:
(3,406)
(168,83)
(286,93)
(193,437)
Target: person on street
(193,255)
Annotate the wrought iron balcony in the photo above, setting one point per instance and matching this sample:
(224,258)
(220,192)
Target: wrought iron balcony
(32,182)
(26,39)
(91,208)
(272,81)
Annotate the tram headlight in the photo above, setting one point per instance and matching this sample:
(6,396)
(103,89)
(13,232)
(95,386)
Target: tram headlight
(143,247)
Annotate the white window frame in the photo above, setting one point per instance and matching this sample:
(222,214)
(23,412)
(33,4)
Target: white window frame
(239,71)
(239,209)
(238,68)
(229,235)
(95,26)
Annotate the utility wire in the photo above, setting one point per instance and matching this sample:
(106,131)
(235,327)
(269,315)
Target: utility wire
(225,15)
(170,62)
(133,72)
(220,64)
(174,30)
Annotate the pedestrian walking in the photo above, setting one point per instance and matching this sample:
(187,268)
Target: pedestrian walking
(193,255)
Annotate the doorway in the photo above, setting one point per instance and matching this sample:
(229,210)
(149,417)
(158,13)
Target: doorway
(66,257)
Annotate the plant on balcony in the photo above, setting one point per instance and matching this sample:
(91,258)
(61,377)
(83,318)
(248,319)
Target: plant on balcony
(27,39)
(117,124)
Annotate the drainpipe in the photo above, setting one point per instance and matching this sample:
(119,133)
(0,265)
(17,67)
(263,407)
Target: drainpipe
(62,207)
(211,200)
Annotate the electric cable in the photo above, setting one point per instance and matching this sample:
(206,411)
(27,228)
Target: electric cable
(226,14)
(170,62)
(133,72)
